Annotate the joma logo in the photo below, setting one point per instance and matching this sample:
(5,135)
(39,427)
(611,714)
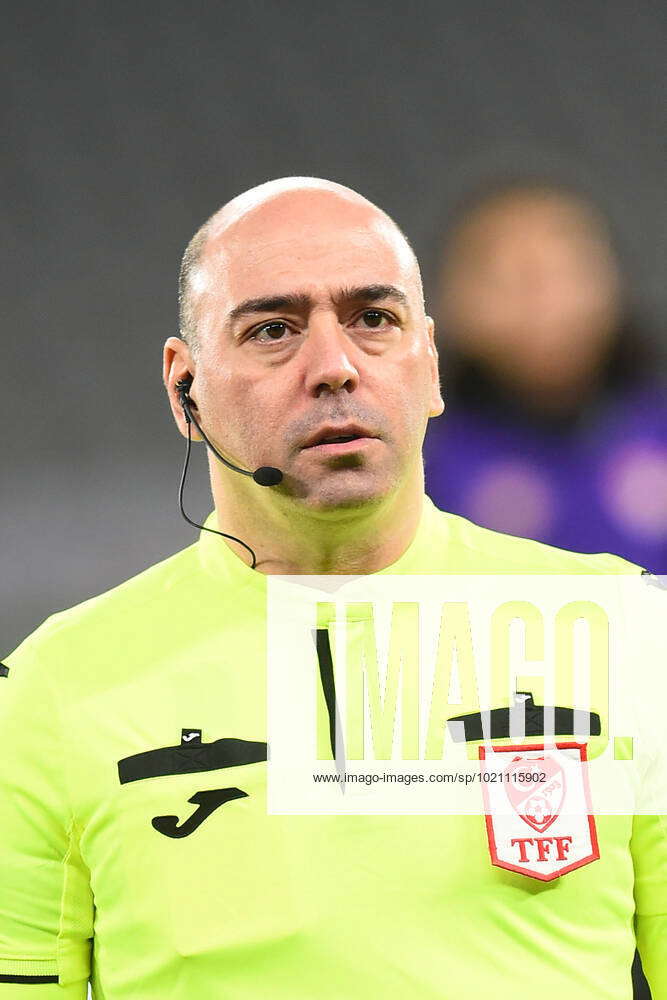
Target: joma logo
(207,802)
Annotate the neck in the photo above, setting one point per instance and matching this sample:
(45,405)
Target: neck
(291,539)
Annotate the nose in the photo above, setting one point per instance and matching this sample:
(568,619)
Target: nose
(329,366)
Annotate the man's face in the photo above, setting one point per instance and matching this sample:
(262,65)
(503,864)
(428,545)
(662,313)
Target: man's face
(311,326)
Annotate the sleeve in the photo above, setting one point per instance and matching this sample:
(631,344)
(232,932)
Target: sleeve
(649,852)
(649,828)
(46,904)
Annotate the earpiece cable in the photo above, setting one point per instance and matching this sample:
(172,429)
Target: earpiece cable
(189,519)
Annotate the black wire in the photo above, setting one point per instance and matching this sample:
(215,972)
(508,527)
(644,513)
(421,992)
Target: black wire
(230,465)
(194,523)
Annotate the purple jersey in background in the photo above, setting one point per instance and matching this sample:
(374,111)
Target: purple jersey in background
(595,484)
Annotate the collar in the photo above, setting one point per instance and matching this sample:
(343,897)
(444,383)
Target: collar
(425,554)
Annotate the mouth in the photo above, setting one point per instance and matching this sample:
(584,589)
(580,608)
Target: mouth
(339,440)
(341,447)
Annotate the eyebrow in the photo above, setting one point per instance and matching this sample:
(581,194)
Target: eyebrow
(302,302)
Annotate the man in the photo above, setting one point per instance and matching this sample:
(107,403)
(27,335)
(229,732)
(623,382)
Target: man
(306,348)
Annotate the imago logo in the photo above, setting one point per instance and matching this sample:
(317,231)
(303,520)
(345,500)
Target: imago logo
(537,805)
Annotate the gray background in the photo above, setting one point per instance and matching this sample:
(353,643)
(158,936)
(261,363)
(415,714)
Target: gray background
(131,122)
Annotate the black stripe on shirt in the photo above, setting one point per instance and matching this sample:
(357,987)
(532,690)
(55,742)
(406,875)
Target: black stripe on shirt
(190,758)
(28,979)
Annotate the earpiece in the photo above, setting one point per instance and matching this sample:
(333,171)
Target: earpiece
(266,475)
(183,389)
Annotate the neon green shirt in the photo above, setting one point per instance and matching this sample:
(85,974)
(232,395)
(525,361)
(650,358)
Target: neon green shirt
(101,878)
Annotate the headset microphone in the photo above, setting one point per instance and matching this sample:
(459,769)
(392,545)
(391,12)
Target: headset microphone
(265,475)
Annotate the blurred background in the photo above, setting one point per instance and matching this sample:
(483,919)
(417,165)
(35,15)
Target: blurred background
(520,146)
(556,424)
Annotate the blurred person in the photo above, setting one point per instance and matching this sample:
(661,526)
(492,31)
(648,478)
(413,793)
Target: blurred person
(137,849)
(555,426)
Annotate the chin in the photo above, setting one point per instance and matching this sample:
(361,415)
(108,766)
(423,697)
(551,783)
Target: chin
(343,497)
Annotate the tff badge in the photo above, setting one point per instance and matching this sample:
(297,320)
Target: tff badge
(538,811)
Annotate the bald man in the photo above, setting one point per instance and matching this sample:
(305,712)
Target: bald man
(138,853)
(303,313)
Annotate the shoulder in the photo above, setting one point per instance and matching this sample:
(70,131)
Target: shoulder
(77,644)
(476,549)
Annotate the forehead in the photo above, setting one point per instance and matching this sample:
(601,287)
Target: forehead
(317,252)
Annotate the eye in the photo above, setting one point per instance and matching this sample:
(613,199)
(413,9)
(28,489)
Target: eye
(373,318)
(270,332)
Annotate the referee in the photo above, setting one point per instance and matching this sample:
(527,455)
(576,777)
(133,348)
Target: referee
(136,851)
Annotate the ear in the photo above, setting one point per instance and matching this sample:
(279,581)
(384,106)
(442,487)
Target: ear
(437,402)
(177,362)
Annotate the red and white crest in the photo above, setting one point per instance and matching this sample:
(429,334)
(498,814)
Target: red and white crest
(537,803)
